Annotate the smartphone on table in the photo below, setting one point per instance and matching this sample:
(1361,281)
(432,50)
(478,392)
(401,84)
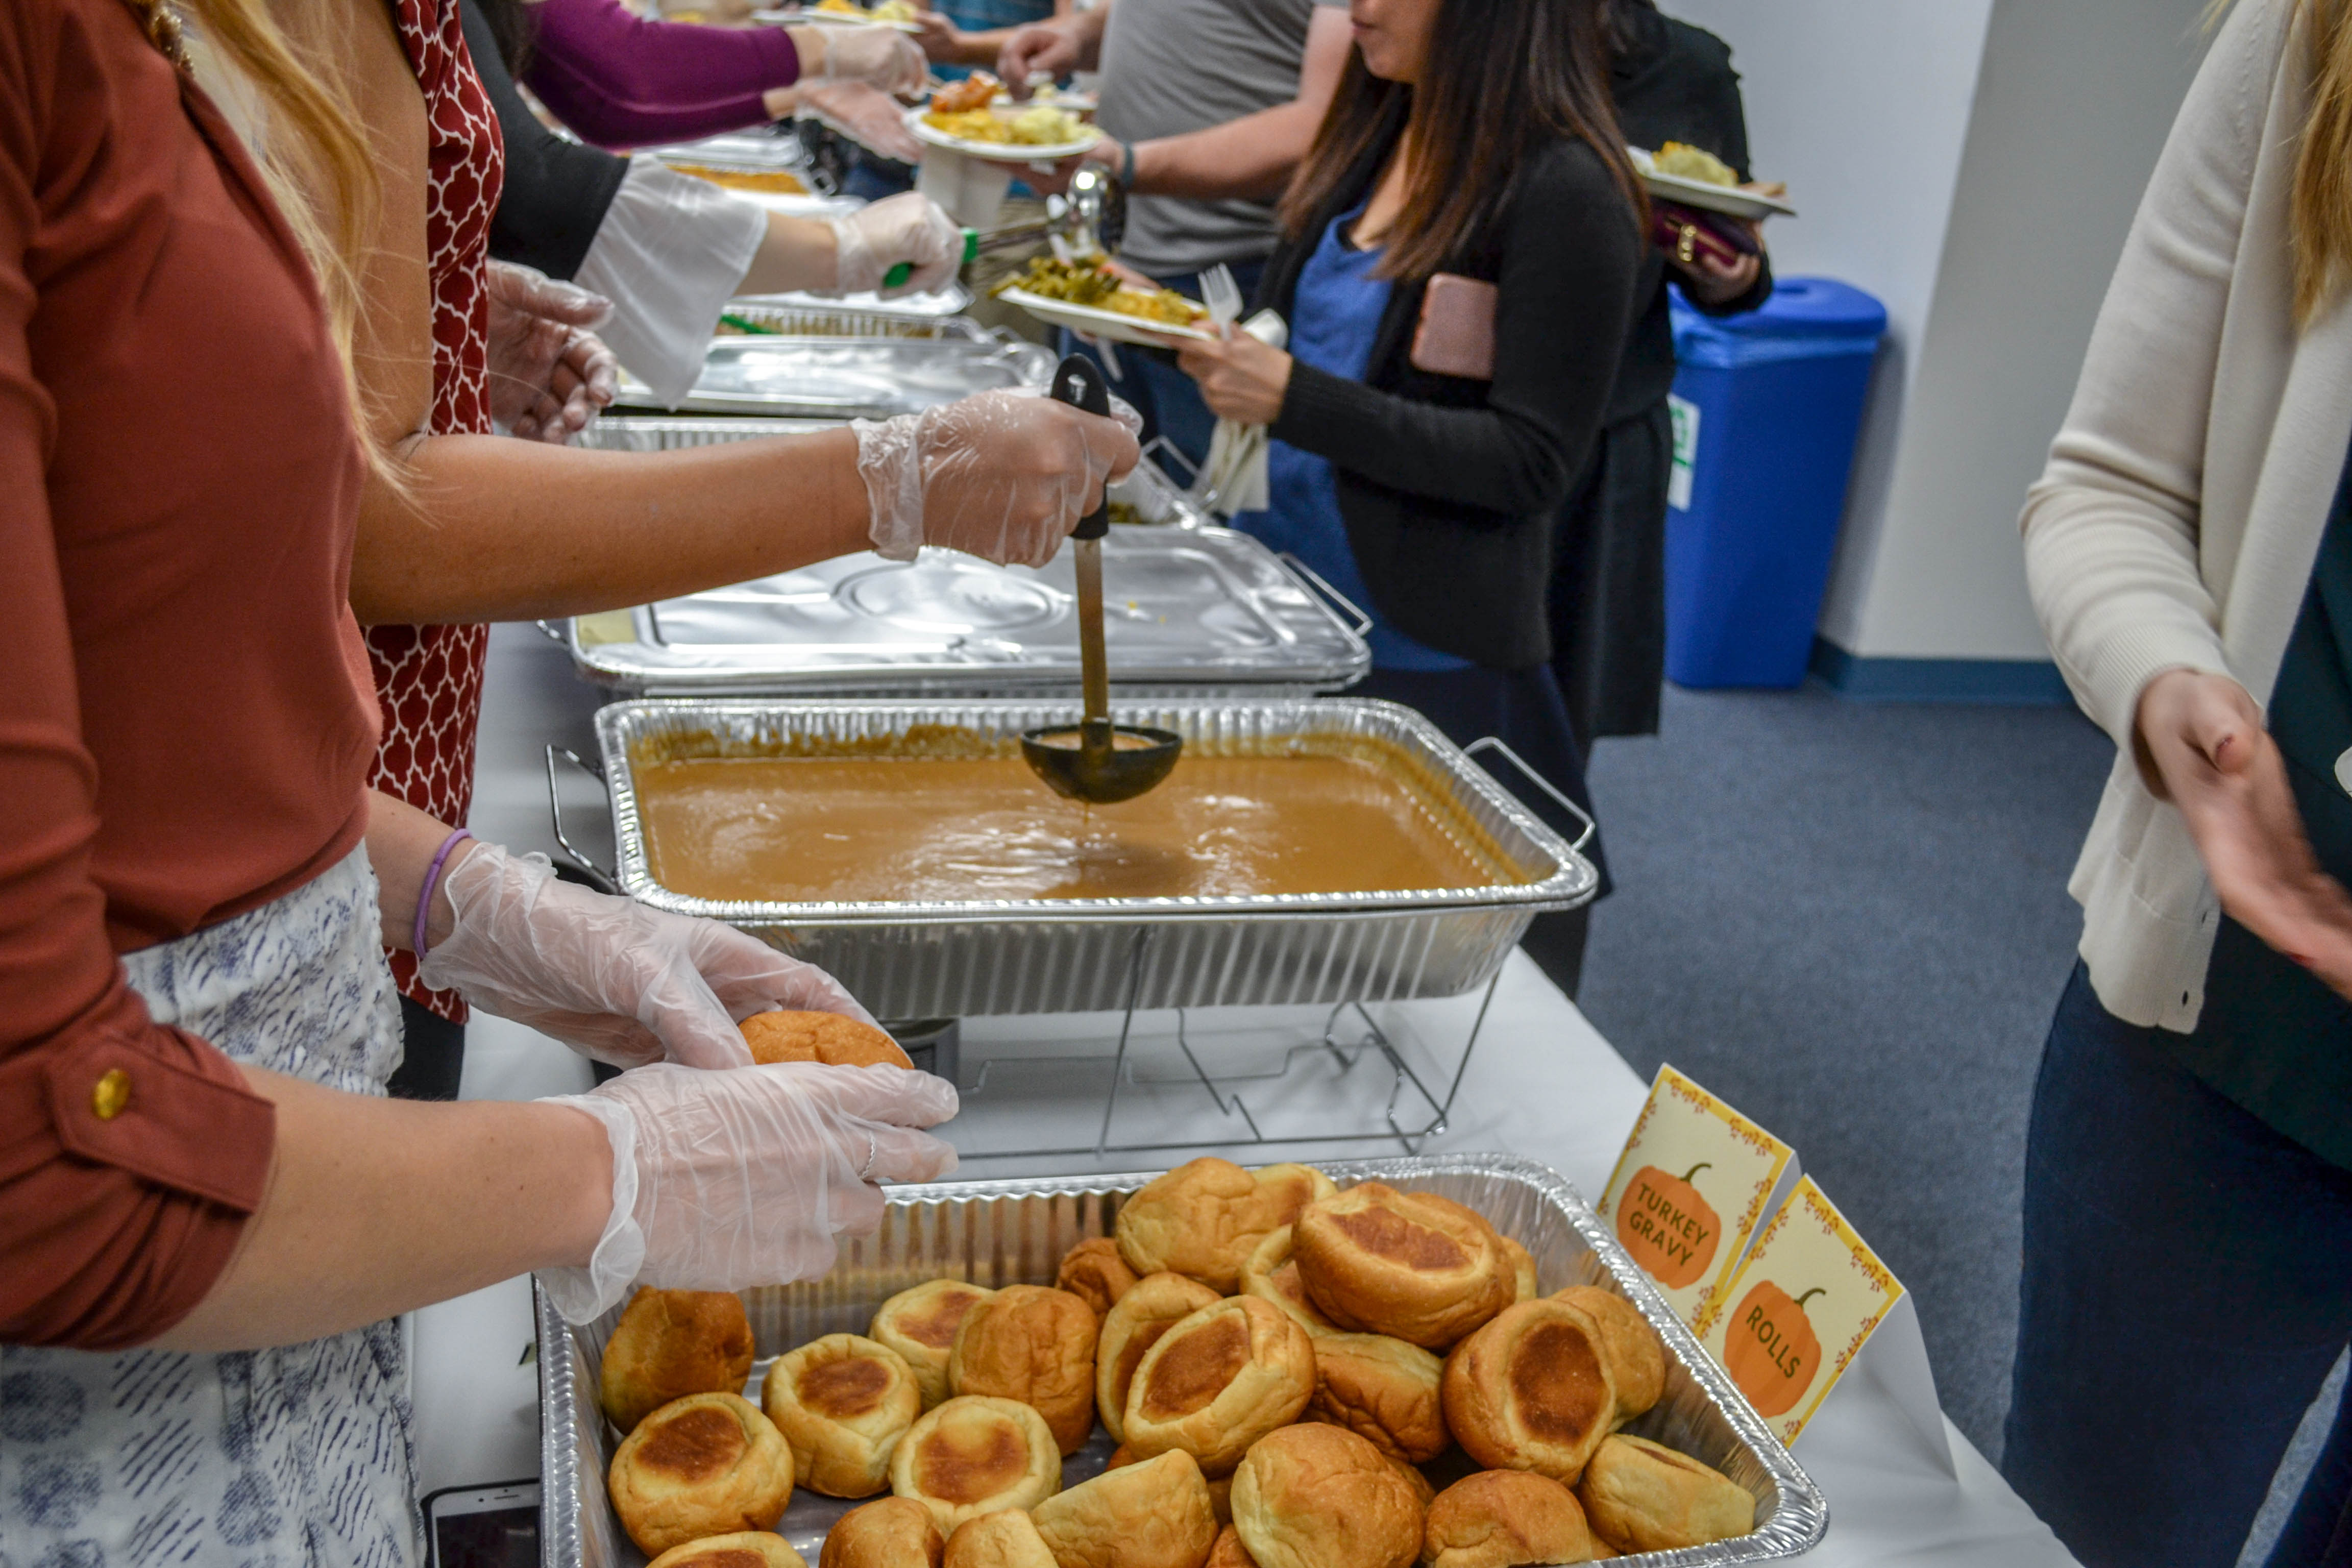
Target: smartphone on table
(484,1527)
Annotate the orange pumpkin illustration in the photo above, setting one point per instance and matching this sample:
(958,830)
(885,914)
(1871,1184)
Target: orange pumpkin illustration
(1769,1350)
(1671,1231)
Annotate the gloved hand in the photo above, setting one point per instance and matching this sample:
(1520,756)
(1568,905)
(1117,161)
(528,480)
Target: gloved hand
(548,375)
(867,116)
(884,58)
(908,227)
(724,1180)
(1004,475)
(607,976)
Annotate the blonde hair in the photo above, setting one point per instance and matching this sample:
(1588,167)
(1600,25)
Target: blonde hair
(2323,169)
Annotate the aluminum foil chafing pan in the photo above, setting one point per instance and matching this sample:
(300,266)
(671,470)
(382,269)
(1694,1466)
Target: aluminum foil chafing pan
(1007,1233)
(1081,956)
(850,378)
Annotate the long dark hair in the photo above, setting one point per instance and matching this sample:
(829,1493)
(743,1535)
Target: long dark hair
(1501,75)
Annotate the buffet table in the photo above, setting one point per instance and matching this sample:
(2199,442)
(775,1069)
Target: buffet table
(1540,1083)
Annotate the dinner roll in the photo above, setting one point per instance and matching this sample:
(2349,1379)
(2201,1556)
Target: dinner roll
(1203,1218)
(1131,1330)
(1005,1538)
(1094,1271)
(1522,1268)
(671,1343)
(740,1548)
(1530,1390)
(974,1455)
(889,1532)
(1411,1265)
(1290,1188)
(834,1039)
(1228,1551)
(842,1401)
(1271,1274)
(709,1464)
(1637,1357)
(1218,1380)
(1319,1497)
(1501,1519)
(1644,1496)
(1151,1514)
(1036,1345)
(920,1324)
(1382,1390)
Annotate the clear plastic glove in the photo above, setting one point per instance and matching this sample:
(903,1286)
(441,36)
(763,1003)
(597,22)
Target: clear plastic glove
(909,228)
(607,976)
(548,374)
(1004,475)
(724,1180)
(881,57)
(872,119)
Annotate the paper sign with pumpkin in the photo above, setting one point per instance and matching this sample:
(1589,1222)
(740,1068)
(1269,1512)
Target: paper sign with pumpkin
(1790,1323)
(1695,1179)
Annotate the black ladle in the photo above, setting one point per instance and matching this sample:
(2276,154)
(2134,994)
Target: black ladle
(1094,760)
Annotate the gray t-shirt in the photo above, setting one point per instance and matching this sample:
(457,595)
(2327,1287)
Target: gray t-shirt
(1173,66)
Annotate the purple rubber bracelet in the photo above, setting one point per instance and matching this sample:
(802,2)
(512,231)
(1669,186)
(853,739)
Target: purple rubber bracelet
(432,879)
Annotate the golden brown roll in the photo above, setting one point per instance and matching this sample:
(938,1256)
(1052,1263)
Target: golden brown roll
(842,1401)
(832,1038)
(1522,1268)
(920,1324)
(1382,1390)
(1410,1265)
(1094,1271)
(1036,1345)
(974,1455)
(671,1343)
(1271,1274)
(1502,1518)
(1199,1220)
(1228,1552)
(1151,1514)
(1637,1357)
(1530,1390)
(1290,1188)
(1424,1492)
(709,1464)
(889,1532)
(1221,1498)
(1131,1330)
(741,1549)
(1217,1381)
(1643,1497)
(1319,1497)
(1005,1538)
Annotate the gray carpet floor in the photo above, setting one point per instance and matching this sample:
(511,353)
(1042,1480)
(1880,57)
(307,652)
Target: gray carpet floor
(1851,920)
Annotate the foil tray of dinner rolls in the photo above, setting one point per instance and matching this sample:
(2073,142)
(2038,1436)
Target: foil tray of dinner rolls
(985,957)
(1000,1233)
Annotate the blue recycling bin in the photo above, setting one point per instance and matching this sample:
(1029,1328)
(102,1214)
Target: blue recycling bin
(1767,409)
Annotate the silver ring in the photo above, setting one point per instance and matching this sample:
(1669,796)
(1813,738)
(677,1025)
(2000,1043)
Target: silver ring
(866,1172)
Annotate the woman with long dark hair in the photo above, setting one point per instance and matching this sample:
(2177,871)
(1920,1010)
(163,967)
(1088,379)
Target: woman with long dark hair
(1458,269)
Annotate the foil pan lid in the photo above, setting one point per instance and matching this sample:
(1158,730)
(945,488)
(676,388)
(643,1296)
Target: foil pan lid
(849,378)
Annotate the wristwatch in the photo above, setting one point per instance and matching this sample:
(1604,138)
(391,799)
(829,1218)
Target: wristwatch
(1127,165)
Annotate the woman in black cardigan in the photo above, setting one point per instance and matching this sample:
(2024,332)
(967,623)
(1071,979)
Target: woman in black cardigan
(1469,185)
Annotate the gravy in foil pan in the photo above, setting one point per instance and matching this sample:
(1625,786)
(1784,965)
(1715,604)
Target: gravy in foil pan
(1014,1232)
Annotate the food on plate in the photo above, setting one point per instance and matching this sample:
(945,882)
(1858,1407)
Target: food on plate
(1205,1218)
(1228,1552)
(1217,1381)
(671,1343)
(1130,1329)
(1035,1344)
(1531,1390)
(889,1532)
(979,124)
(842,1401)
(1412,1265)
(737,1549)
(1005,1538)
(881,11)
(1685,162)
(1095,1270)
(1641,1496)
(1383,1390)
(1318,1497)
(977,90)
(832,1038)
(1039,125)
(768,181)
(1043,125)
(1637,1357)
(1523,1269)
(1152,1514)
(1090,283)
(1502,1518)
(1271,1274)
(709,1464)
(920,1324)
(975,1454)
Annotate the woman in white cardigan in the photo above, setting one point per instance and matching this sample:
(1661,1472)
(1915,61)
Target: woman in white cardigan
(2187,1267)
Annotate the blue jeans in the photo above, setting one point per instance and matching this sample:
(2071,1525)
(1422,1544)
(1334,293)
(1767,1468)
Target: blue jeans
(2188,1284)
(1166,397)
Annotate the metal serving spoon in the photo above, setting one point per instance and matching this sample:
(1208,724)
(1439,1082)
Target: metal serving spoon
(1091,218)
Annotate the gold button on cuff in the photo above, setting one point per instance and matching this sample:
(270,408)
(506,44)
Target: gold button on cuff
(111,1093)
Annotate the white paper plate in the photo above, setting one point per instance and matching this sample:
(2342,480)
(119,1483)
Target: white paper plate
(1728,199)
(1097,322)
(996,152)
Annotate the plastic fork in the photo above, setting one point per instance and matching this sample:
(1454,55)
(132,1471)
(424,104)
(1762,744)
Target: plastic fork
(1222,294)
